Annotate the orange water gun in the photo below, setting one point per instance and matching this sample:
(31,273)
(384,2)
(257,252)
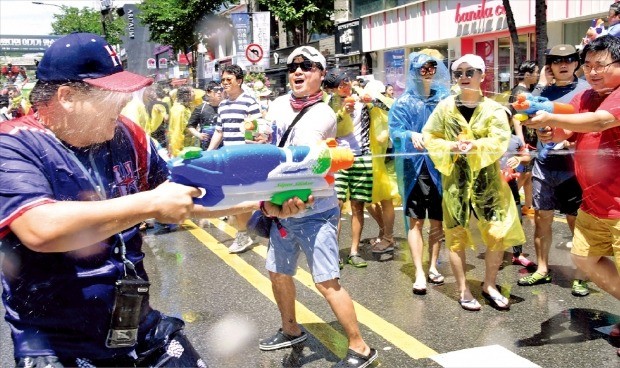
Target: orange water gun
(527,105)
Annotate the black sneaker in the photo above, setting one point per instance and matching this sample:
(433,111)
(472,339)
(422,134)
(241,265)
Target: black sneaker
(281,340)
(357,360)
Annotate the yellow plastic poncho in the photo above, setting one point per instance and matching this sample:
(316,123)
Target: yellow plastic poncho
(344,122)
(474,179)
(136,111)
(384,185)
(158,115)
(178,135)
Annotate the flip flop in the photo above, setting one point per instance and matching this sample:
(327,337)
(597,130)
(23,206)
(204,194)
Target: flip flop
(470,305)
(419,288)
(435,278)
(495,300)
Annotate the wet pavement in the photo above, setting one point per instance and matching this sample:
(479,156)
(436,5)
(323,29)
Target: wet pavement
(227,303)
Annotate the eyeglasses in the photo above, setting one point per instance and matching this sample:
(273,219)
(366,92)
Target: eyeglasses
(598,69)
(468,73)
(430,70)
(567,60)
(305,66)
(217,89)
(228,79)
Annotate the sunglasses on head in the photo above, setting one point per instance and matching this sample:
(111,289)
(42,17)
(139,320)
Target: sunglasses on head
(563,59)
(430,70)
(468,73)
(305,66)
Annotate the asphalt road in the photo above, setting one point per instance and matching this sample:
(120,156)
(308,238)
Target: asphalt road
(227,303)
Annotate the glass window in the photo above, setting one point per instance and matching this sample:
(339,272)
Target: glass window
(504,70)
(575,32)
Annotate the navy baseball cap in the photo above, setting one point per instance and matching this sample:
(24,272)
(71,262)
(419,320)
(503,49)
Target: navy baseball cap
(89,58)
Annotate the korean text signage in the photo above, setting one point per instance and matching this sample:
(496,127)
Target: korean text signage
(261,30)
(26,43)
(348,37)
(481,18)
(243,33)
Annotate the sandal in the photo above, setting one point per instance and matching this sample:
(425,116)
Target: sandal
(419,288)
(383,246)
(470,305)
(534,279)
(435,278)
(495,301)
(354,359)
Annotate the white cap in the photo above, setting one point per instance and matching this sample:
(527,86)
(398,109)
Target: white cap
(309,53)
(475,61)
(374,88)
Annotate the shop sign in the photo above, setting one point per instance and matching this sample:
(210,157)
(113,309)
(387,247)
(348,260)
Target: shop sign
(483,19)
(131,27)
(163,63)
(481,12)
(348,37)
(150,63)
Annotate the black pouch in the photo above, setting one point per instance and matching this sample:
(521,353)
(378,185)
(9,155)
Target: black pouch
(126,312)
(259,225)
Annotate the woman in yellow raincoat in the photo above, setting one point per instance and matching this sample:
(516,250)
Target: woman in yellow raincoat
(466,135)
(384,187)
(178,136)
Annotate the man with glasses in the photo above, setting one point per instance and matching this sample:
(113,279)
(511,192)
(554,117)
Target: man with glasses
(419,183)
(315,231)
(203,120)
(595,128)
(237,107)
(554,186)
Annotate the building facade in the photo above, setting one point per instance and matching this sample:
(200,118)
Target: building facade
(457,27)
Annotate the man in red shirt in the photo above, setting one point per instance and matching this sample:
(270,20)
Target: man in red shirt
(595,128)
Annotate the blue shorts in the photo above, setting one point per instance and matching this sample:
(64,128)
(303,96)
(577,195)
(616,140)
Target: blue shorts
(316,235)
(551,194)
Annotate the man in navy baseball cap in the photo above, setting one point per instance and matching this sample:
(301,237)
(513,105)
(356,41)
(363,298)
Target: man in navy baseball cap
(89,58)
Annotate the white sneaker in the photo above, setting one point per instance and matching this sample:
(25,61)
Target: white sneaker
(241,244)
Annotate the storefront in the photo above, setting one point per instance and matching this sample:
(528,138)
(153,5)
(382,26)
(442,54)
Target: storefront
(458,27)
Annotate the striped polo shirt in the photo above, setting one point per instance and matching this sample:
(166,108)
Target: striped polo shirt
(232,113)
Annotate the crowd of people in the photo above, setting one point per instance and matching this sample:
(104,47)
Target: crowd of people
(92,152)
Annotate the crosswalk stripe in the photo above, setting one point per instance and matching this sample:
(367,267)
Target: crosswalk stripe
(408,344)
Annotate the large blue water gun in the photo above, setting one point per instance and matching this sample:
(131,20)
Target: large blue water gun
(260,172)
(527,105)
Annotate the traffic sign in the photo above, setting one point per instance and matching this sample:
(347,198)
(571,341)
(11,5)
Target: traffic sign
(254,53)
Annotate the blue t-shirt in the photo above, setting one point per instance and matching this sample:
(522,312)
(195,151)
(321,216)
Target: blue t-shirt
(558,162)
(60,303)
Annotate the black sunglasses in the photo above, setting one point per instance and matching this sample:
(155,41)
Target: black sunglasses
(430,70)
(468,73)
(305,66)
(217,89)
(567,59)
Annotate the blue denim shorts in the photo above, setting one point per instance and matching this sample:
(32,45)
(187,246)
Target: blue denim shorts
(316,235)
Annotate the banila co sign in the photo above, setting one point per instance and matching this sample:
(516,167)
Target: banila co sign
(481,19)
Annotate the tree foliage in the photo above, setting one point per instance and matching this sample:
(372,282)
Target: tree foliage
(303,18)
(73,19)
